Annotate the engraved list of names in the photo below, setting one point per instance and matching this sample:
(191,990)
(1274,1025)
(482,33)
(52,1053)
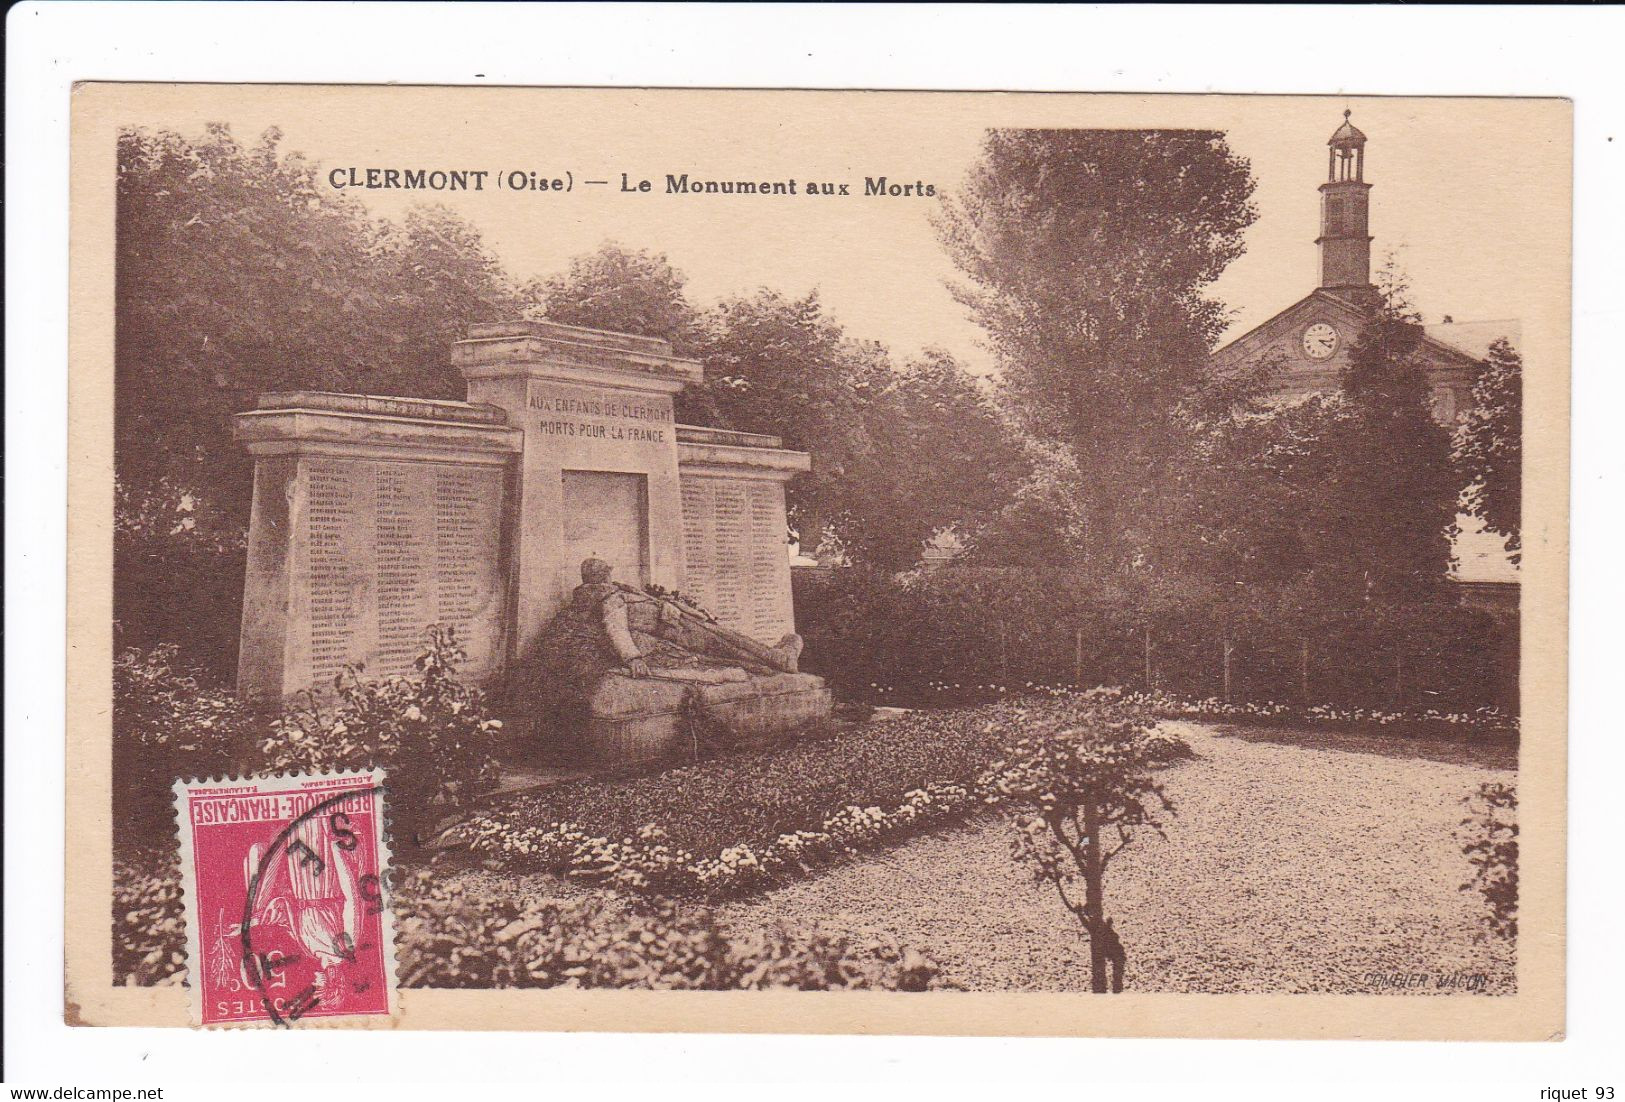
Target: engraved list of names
(391,547)
(736,556)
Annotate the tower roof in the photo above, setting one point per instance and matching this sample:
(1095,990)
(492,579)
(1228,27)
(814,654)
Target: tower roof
(1348,134)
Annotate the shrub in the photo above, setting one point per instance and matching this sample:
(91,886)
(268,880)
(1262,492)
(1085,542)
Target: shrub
(1491,847)
(430,734)
(149,923)
(972,628)
(450,939)
(964,633)
(178,567)
(169,722)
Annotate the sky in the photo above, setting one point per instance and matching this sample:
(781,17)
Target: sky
(1450,199)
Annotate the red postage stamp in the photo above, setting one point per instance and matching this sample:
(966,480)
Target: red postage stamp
(287,916)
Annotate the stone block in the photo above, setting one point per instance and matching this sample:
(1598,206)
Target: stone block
(635,719)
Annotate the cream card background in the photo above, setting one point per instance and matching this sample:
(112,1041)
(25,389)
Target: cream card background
(1550,52)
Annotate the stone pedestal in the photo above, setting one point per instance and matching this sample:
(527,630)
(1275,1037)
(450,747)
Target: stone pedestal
(598,474)
(372,518)
(641,719)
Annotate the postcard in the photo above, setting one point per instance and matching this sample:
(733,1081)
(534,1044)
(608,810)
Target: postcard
(818,562)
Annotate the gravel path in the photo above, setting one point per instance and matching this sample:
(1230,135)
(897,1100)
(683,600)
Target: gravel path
(1286,869)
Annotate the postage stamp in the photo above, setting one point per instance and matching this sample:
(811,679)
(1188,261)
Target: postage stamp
(285,880)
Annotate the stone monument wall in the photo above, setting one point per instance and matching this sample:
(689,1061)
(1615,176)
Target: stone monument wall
(590,406)
(735,533)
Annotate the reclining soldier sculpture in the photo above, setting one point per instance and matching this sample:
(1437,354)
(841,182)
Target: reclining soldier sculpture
(609,628)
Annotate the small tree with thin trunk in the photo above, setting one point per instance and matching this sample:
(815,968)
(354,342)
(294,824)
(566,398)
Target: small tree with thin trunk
(1080,787)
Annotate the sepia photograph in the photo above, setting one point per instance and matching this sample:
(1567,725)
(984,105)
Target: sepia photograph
(962,547)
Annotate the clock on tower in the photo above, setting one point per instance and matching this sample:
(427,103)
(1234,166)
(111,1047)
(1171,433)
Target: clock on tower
(1320,341)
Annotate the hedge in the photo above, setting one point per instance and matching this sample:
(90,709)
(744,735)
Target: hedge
(963,634)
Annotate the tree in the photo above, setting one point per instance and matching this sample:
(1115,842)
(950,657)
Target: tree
(632,291)
(233,268)
(625,291)
(1087,253)
(940,457)
(237,273)
(1308,533)
(898,454)
(1489,445)
(1392,478)
(1071,781)
(436,279)
(781,366)
(1238,541)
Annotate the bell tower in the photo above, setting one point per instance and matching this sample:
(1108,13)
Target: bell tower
(1345,207)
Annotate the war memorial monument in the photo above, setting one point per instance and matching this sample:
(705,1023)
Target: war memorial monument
(374,517)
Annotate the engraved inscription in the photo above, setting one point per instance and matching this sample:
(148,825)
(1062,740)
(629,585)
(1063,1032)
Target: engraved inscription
(392,547)
(769,562)
(699,524)
(736,554)
(466,544)
(405,535)
(731,540)
(577,413)
(336,565)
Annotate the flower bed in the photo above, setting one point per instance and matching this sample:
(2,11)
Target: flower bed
(1172,706)
(714,830)
(1478,719)
(734,825)
(169,721)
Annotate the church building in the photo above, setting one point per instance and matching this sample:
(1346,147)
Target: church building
(1313,336)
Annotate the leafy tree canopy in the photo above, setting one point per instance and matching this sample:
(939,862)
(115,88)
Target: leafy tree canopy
(780,365)
(898,454)
(1086,254)
(625,291)
(1489,445)
(1301,512)
(941,456)
(1392,478)
(237,274)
